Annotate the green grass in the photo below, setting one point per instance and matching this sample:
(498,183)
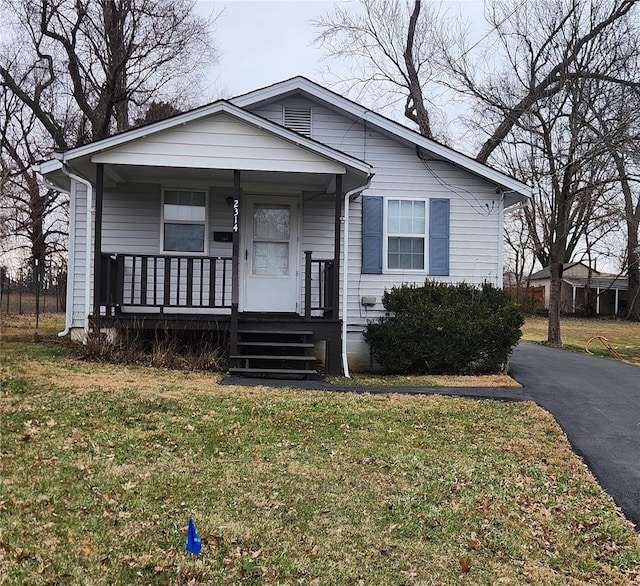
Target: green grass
(623,335)
(103,465)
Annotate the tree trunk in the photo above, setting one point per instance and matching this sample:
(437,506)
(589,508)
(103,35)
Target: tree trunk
(415,109)
(555,297)
(36,221)
(114,22)
(633,270)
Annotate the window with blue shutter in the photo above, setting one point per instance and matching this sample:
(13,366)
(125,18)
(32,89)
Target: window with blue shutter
(439,237)
(372,233)
(406,234)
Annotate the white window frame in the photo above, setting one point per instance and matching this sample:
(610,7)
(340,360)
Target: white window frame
(205,252)
(386,235)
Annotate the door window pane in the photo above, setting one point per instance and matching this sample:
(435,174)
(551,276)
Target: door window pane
(271,227)
(271,258)
(271,222)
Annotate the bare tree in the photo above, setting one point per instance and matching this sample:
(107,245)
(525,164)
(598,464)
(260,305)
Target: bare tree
(544,46)
(72,71)
(34,218)
(389,44)
(618,128)
(560,59)
(103,56)
(544,63)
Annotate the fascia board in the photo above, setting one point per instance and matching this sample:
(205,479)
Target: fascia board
(48,166)
(389,126)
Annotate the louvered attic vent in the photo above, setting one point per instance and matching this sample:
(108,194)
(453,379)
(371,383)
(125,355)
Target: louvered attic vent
(298,118)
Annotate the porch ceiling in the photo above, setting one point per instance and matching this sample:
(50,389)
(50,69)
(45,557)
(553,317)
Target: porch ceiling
(200,177)
(261,180)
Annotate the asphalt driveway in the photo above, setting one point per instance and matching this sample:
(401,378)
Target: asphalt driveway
(596,401)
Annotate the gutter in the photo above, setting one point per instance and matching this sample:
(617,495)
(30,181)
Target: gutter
(524,204)
(87,284)
(345,269)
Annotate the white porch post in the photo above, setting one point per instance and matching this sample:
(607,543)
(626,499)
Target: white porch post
(573,287)
(597,300)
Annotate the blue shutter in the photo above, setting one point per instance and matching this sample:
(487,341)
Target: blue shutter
(372,234)
(439,237)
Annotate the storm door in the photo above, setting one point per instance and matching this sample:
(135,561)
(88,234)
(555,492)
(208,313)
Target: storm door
(271,254)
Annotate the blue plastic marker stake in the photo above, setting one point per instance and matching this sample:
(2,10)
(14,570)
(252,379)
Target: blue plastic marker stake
(194,545)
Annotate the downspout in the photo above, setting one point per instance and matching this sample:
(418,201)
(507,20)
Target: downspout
(345,269)
(87,283)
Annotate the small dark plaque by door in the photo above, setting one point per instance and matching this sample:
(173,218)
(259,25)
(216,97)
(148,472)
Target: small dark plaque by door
(223,236)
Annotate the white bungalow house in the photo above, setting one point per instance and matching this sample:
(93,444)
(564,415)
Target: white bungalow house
(278,218)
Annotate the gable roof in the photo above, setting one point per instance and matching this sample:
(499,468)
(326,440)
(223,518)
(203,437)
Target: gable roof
(304,86)
(98,147)
(515,191)
(545,273)
(601,282)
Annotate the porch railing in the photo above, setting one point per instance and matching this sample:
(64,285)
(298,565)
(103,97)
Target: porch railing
(165,281)
(318,285)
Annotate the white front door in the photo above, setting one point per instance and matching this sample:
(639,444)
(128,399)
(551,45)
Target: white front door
(271,254)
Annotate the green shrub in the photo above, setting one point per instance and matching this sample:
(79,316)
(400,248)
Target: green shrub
(442,328)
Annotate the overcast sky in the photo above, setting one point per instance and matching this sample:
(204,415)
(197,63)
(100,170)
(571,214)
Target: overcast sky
(262,42)
(265,41)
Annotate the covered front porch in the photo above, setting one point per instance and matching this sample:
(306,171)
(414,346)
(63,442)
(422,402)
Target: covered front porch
(209,219)
(259,265)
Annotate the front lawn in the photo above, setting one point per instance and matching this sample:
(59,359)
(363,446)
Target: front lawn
(623,335)
(103,465)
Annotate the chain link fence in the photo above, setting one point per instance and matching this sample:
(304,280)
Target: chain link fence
(32,290)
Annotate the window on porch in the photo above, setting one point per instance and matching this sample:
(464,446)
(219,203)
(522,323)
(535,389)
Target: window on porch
(184,216)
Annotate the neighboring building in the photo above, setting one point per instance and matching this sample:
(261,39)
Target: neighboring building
(244,216)
(607,294)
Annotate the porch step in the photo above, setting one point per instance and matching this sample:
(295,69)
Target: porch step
(273,371)
(277,344)
(277,332)
(272,357)
(275,353)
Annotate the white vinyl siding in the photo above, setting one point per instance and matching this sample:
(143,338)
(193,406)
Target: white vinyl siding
(131,219)
(132,213)
(475,218)
(219,142)
(78,272)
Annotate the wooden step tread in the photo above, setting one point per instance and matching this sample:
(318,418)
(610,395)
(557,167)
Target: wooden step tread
(277,344)
(272,357)
(278,332)
(270,371)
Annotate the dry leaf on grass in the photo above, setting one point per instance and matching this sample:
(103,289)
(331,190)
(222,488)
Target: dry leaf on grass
(465,564)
